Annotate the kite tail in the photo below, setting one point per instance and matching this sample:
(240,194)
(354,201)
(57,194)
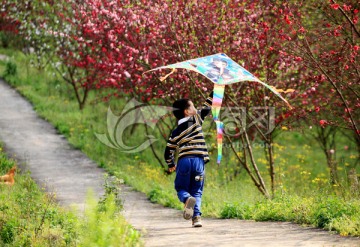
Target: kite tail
(219,129)
(216,106)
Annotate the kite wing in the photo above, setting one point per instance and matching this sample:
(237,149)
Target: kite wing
(221,70)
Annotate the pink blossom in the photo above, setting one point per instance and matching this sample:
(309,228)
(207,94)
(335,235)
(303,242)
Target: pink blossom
(335,6)
(287,19)
(302,30)
(127,74)
(323,123)
(347,7)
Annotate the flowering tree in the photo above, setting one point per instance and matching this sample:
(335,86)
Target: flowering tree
(33,20)
(117,41)
(106,46)
(9,27)
(328,43)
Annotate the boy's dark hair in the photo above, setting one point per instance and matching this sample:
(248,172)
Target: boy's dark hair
(179,107)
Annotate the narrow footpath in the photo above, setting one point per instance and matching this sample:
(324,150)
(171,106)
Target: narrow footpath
(69,173)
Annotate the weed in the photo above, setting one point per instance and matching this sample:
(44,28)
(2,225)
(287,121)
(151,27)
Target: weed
(105,226)
(239,211)
(10,69)
(8,231)
(162,196)
(330,209)
(112,188)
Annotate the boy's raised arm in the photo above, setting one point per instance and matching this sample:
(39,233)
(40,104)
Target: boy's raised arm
(206,106)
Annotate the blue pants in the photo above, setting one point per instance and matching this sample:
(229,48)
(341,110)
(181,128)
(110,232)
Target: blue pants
(187,182)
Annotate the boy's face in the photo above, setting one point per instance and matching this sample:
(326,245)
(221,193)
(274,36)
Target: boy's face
(191,110)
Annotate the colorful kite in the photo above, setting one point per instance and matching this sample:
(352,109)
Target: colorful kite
(221,70)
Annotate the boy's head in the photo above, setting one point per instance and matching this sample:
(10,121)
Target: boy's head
(183,108)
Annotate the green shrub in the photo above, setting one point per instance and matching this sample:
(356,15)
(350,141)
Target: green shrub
(329,212)
(105,226)
(161,196)
(330,209)
(239,211)
(4,39)
(346,225)
(10,69)
(8,231)
(10,39)
(112,188)
(271,210)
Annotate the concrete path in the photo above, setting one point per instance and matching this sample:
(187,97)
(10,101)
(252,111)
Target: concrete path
(52,161)
(69,174)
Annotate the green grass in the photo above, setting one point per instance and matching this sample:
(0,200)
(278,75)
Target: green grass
(300,164)
(30,217)
(328,212)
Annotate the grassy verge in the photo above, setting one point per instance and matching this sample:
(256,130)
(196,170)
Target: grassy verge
(29,217)
(301,167)
(328,212)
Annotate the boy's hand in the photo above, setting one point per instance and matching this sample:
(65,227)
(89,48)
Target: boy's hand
(172,169)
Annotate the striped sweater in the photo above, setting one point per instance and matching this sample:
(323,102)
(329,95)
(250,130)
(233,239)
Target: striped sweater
(188,137)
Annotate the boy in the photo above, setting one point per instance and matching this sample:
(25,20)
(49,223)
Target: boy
(192,156)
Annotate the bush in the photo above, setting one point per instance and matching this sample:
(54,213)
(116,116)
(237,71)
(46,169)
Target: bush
(346,225)
(4,39)
(8,231)
(239,211)
(161,196)
(10,69)
(105,226)
(332,213)
(9,39)
(330,209)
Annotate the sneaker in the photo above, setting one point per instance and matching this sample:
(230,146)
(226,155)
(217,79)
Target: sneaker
(189,208)
(196,221)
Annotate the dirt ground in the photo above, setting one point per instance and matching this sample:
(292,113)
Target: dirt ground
(70,174)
